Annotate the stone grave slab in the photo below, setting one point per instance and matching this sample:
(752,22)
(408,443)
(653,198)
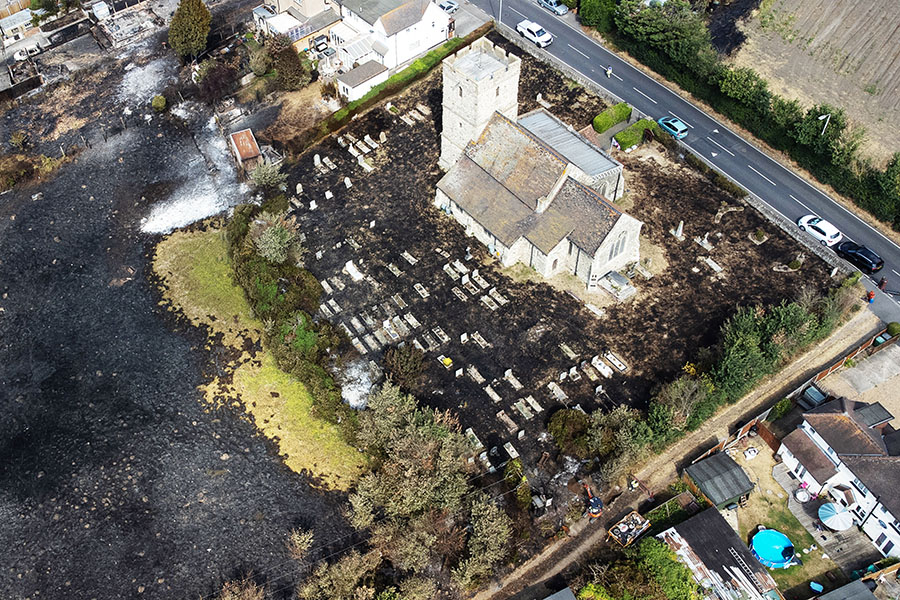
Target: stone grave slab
(359,347)
(463,269)
(418,345)
(333,305)
(479,339)
(357,325)
(346,329)
(407,120)
(430,341)
(616,361)
(513,381)
(394,269)
(328,163)
(341,141)
(326,287)
(415,114)
(507,422)
(413,322)
(510,450)
(498,297)
(370,142)
(459,294)
(423,109)
(471,288)
(326,311)
(557,391)
(492,394)
(409,257)
(489,302)
(443,337)
(523,410)
(353,243)
(588,370)
(451,272)
(537,408)
(476,443)
(382,337)
(603,368)
(574,375)
(368,320)
(363,148)
(420,289)
(482,283)
(388,327)
(442,252)
(354,152)
(400,326)
(476,376)
(337,283)
(398,300)
(371,342)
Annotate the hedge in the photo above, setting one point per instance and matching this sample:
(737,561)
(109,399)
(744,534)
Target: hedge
(612,115)
(635,133)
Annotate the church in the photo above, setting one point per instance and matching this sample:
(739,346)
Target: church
(529,187)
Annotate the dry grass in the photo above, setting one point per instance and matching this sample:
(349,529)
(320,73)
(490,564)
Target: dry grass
(299,112)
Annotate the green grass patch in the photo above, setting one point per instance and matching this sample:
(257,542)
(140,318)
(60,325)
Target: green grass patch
(611,116)
(633,135)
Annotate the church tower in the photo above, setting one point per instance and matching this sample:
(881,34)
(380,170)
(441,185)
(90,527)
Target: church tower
(478,81)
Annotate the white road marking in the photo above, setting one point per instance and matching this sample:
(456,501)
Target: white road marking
(761,175)
(895,273)
(617,77)
(644,95)
(720,145)
(578,51)
(517,12)
(680,119)
(800,203)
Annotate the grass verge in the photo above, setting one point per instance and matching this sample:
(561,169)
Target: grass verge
(195,269)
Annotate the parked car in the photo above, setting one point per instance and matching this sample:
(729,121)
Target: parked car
(673,126)
(819,228)
(534,32)
(554,6)
(449,6)
(860,256)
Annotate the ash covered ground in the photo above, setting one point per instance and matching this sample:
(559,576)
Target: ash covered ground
(115,482)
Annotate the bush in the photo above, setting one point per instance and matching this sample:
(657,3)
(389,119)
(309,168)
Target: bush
(405,365)
(569,429)
(612,115)
(795,264)
(158,103)
(267,176)
(893,328)
(598,13)
(260,62)
(635,134)
(781,408)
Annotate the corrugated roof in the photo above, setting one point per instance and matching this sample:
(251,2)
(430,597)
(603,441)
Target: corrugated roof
(720,478)
(362,73)
(809,455)
(246,145)
(573,146)
(855,590)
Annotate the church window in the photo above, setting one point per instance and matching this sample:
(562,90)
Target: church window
(618,247)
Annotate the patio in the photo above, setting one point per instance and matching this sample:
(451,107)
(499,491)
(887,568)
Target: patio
(850,549)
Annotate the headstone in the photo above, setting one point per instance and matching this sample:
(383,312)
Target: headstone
(382,137)
(459,373)
(371,224)
(464,338)
(678,232)
(317,160)
(313,205)
(299,188)
(347,183)
(328,195)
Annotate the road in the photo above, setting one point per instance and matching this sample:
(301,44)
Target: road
(783,190)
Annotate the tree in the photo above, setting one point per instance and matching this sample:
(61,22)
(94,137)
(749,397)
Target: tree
(158,103)
(388,411)
(681,396)
(260,62)
(491,529)
(267,176)
(598,14)
(299,542)
(242,589)
(569,430)
(747,87)
(276,238)
(189,28)
(216,79)
(341,580)
(404,365)
(294,72)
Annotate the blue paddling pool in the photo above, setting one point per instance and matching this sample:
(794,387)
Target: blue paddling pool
(773,549)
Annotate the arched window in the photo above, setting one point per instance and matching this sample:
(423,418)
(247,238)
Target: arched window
(618,247)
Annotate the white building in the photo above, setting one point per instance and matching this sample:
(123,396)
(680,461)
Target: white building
(356,83)
(848,451)
(300,20)
(529,188)
(391,32)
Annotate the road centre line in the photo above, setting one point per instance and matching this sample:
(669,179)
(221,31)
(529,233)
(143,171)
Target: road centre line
(682,120)
(617,77)
(761,175)
(720,145)
(895,273)
(644,95)
(800,203)
(578,51)
(517,12)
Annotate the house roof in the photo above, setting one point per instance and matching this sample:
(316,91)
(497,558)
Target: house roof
(881,474)
(362,73)
(873,414)
(809,455)
(282,23)
(245,143)
(567,142)
(16,19)
(563,594)
(717,557)
(517,160)
(720,478)
(839,424)
(855,590)
(404,16)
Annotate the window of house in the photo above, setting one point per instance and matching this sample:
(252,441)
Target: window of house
(571,246)
(498,92)
(555,262)
(888,547)
(880,540)
(618,247)
(460,92)
(858,485)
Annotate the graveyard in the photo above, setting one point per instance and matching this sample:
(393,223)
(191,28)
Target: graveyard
(506,353)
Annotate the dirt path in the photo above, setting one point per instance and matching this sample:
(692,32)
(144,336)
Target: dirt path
(558,557)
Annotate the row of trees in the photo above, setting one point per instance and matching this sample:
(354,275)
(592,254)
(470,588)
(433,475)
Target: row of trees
(673,39)
(754,343)
(649,572)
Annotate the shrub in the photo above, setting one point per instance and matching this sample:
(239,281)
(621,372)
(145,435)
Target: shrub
(635,134)
(569,429)
(612,115)
(267,177)
(759,234)
(893,328)
(781,408)
(158,103)
(794,264)
(18,139)
(675,579)
(260,62)
(598,13)
(405,365)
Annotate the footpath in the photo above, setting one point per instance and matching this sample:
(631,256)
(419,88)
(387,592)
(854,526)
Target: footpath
(663,469)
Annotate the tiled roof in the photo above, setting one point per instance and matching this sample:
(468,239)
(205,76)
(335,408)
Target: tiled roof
(579,213)
(809,455)
(404,16)
(881,474)
(843,430)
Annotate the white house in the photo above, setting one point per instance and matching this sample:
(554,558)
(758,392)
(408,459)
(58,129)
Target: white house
(355,83)
(390,32)
(300,20)
(848,451)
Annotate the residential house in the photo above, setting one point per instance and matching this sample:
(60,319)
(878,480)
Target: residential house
(529,188)
(719,561)
(355,83)
(720,480)
(848,451)
(391,32)
(300,20)
(17,26)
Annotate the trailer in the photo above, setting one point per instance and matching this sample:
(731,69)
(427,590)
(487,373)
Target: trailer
(629,529)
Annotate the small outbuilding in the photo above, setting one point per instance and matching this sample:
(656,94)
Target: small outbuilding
(245,148)
(855,590)
(720,480)
(356,83)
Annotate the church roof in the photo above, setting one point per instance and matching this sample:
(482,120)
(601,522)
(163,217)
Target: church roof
(569,143)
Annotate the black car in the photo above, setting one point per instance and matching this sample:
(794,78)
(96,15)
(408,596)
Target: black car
(866,260)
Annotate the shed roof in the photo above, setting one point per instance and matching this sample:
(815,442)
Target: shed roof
(245,143)
(720,478)
(362,73)
(809,455)
(563,594)
(717,557)
(570,144)
(855,590)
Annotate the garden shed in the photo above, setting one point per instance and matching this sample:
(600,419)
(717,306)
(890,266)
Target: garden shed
(720,480)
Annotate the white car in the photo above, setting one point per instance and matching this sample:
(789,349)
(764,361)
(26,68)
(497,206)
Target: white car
(534,32)
(449,6)
(819,228)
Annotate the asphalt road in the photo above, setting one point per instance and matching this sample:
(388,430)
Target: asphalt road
(778,186)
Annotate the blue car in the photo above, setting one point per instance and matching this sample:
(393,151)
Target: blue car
(674,126)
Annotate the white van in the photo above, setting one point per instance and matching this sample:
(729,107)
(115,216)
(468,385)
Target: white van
(27,51)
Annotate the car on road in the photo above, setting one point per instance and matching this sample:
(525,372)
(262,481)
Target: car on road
(673,126)
(449,6)
(554,6)
(534,32)
(819,228)
(861,257)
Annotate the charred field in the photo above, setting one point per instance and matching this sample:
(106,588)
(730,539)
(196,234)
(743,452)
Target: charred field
(540,332)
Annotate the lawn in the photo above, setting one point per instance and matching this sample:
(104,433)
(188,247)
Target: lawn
(197,275)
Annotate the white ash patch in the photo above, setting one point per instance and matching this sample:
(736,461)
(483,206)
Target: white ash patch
(140,83)
(356,384)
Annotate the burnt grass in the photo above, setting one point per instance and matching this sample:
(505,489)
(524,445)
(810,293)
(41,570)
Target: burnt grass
(677,312)
(115,480)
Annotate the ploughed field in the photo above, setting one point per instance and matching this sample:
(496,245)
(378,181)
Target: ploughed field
(386,224)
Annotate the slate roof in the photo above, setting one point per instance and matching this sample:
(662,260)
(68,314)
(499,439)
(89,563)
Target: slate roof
(720,478)
(570,144)
(362,73)
(717,557)
(395,15)
(881,474)
(809,455)
(579,213)
(873,414)
(855,590)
